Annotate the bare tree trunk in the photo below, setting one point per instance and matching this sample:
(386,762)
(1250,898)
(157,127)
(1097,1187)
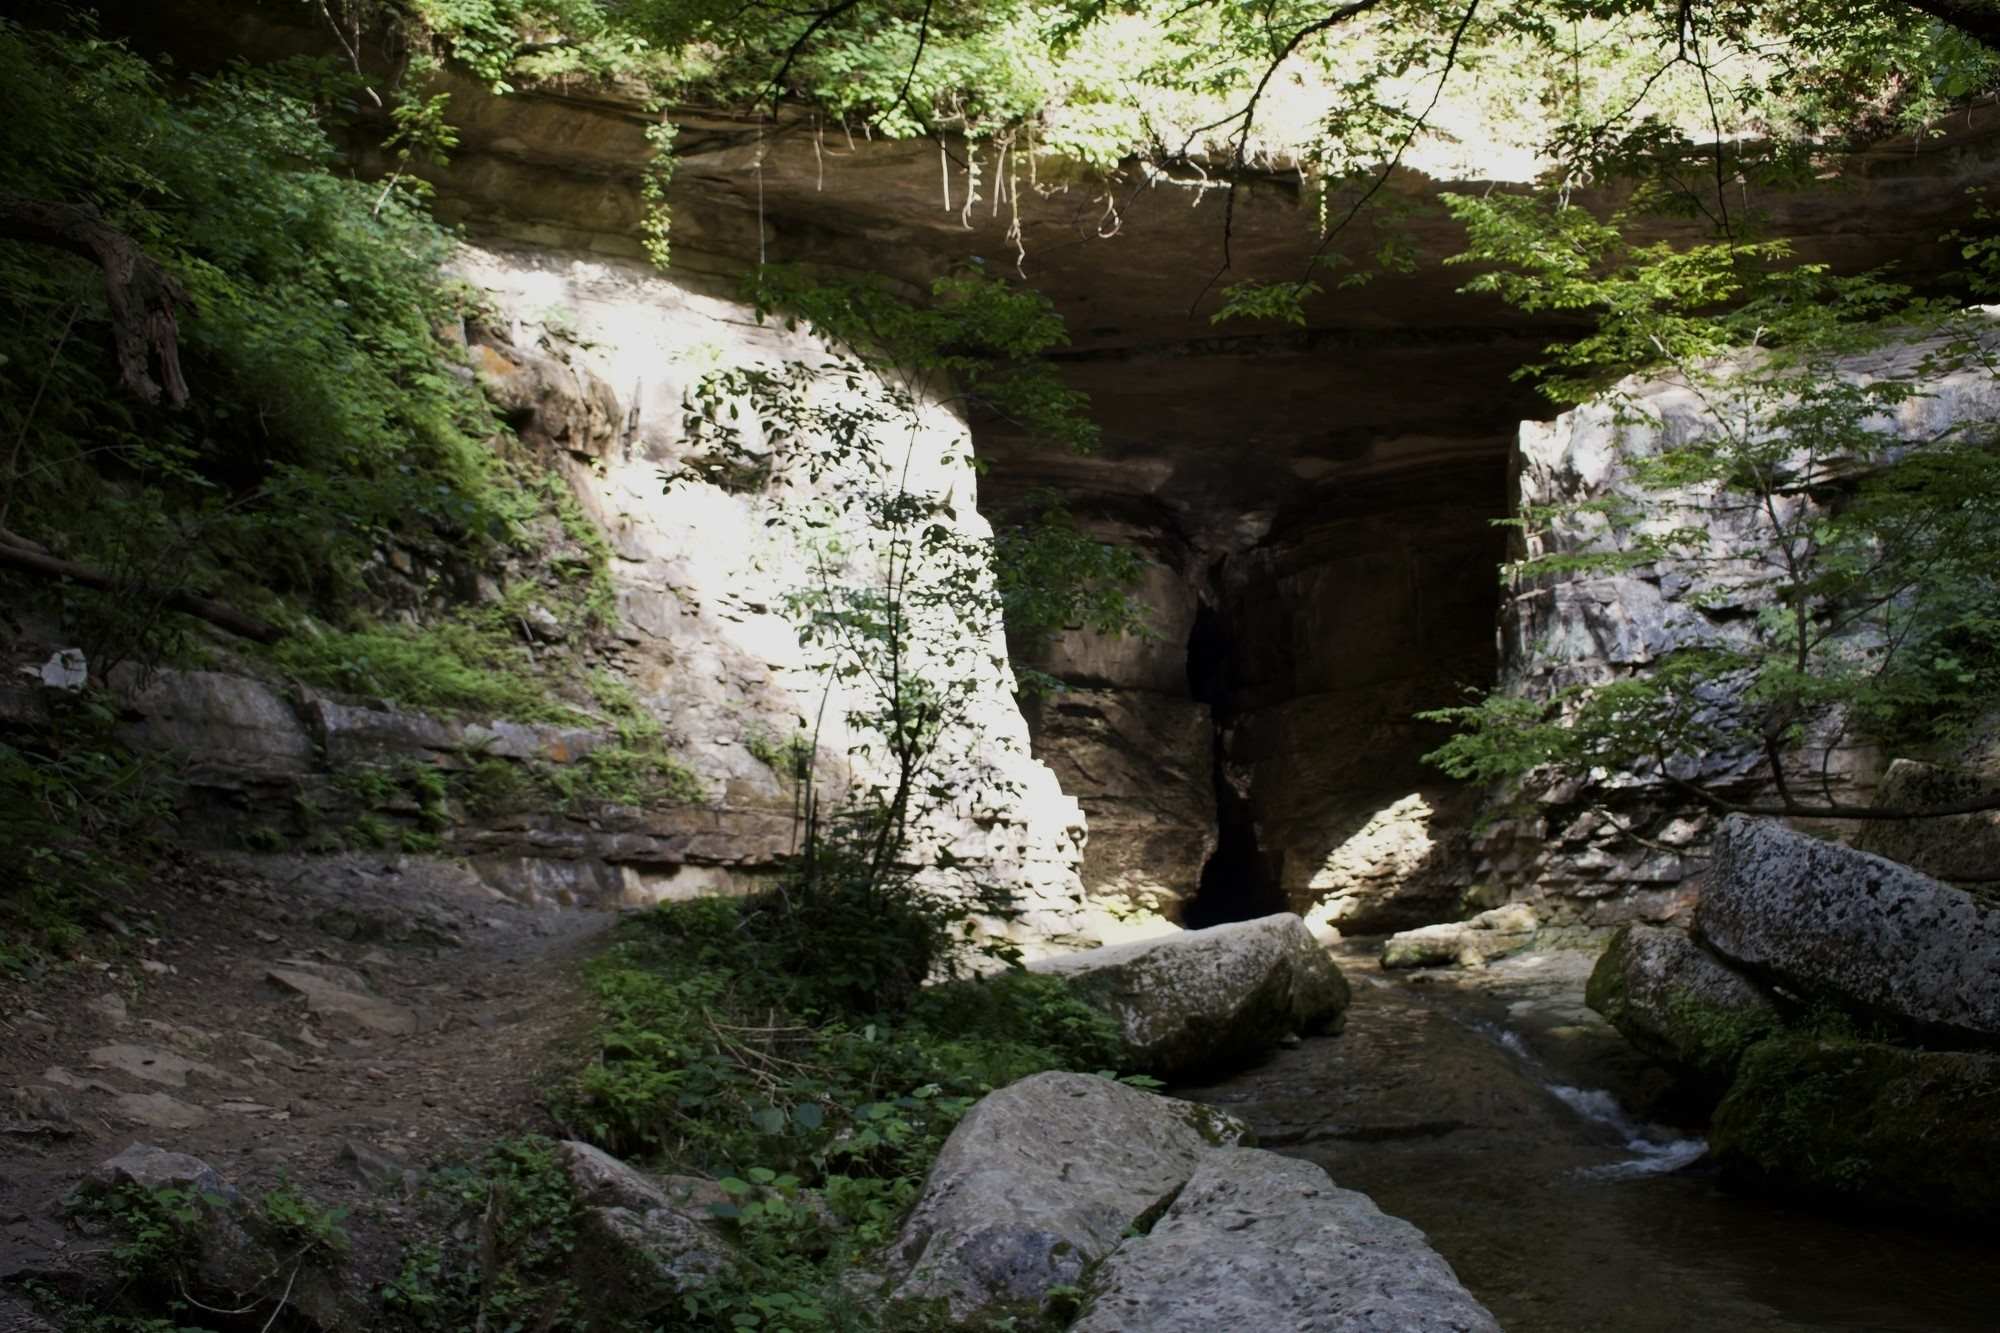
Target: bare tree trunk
(142,295)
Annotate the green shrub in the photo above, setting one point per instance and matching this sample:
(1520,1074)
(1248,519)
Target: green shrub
(505,1231)
(80,814)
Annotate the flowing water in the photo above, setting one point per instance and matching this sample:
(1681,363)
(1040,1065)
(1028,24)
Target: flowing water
(1490,1109)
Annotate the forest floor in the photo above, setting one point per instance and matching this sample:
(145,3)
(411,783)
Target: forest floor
(332,1023)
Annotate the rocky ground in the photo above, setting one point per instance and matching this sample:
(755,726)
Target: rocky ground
(334,1022)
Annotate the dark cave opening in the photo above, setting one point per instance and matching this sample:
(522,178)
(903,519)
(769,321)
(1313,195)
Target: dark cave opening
(1237,882)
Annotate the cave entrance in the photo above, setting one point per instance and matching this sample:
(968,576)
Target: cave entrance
(1237,883)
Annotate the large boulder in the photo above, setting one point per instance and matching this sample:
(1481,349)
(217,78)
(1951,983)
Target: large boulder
(1961,847)
(1194,1001)
(1040,1181)
(649,1237)
(1867,1124)
(1677,1002)
(1865,932)
(1259,1241)
(1470,943)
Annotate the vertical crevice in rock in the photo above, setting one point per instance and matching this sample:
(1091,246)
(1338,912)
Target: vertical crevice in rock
(1237,881)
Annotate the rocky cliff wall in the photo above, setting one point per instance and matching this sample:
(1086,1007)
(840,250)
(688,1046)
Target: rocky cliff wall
(1624,845)
(1325,491)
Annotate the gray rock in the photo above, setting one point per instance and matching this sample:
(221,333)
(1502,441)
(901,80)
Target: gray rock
(635,1224)
(66,669)
(152,1064)
(1200,999)
(149,1168)
(1830,921)
(1964,847)
(223,721)
(344,1003)
(1677,1002)
(373,1166)
(1491,934)
(1039,1181)
(1854,1122)
(227,1258)
(1259,1241)
(159,1110)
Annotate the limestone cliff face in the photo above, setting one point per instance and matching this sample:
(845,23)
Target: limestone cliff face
(599,358)
(1558,631)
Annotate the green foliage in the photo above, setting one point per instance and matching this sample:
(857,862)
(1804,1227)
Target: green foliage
(623,775)
(700,1008)
(298,1227)
(157,1230)
(457,667)
(80,816)
(790,759)
(323,420)
(1052,576)
(506,1228)
(818,1111)
(1281,301)
(980,342)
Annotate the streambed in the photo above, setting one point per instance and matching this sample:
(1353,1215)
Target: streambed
(1489,1108)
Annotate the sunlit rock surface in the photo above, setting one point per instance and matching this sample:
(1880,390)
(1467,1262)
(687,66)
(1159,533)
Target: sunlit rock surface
(703,576)
(1470,943)
(1197,1000)
(1634,862)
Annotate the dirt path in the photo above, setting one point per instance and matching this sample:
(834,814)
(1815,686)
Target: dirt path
(329,1021)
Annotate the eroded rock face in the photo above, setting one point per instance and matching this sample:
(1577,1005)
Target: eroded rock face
(1859,1123)
(1679,1003)
(1199,1000)
(1824,919)
(1042,1179)
(1259,1241)
(1491,934)
(1140,763)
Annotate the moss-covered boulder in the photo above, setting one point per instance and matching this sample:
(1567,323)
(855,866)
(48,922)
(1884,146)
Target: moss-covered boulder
(1871,1125)
(1678,1003)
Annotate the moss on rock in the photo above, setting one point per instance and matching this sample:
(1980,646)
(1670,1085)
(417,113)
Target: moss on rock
(1672,999)
(1868,1124)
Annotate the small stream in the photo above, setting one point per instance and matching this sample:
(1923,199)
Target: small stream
(1490,1109)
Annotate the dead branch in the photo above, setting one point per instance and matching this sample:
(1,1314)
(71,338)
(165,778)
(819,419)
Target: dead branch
(16,553)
